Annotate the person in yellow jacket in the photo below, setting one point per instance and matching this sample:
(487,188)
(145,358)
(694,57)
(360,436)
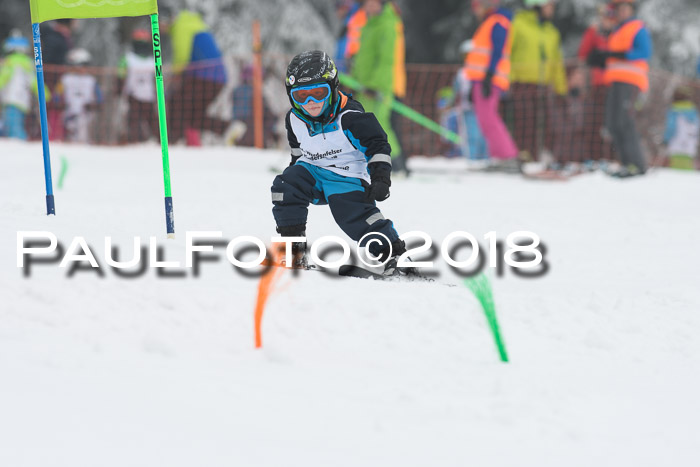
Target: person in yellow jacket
(537,76)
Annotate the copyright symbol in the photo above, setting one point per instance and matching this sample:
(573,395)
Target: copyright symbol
(368,255)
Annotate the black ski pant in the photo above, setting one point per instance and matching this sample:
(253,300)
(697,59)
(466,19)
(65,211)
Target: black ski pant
(619,120)
(303,184)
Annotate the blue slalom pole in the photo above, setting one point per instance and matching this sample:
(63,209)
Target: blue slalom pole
(50,207)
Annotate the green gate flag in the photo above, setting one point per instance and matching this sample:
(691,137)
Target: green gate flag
(46,10)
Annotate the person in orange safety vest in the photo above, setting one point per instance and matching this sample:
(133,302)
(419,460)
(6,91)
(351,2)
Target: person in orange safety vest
(487,66)
(626,64)
(354,32)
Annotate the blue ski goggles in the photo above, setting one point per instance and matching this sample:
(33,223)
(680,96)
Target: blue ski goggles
(313,92)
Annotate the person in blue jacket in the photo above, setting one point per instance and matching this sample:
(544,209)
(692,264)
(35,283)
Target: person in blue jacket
(198,65)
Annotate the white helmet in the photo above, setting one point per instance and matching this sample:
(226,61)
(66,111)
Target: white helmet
(79,57)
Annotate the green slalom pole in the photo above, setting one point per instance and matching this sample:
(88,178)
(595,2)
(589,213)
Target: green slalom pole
(481,288)
(407,112)
(162,122)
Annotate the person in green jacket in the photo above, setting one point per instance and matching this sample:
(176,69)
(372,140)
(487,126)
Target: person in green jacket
(17,83)
(538,78)
(379,67)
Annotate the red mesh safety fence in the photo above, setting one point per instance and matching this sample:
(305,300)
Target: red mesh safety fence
(110,106)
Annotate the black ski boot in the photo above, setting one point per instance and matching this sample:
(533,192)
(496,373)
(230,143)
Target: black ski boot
(300,259)
(391,268)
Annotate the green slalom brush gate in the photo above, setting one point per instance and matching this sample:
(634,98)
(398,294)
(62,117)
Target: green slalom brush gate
(406,111)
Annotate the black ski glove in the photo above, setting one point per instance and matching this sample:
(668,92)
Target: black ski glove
(596,58)
(620,55)
(486,84)
(379,189)
(380,175)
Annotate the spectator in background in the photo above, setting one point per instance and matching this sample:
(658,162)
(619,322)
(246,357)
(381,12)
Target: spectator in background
(596,37)
(473,146)
(139,89)
(571,134)
(539,79)
(242,131)
(400,83)
(487,66)
(17,83)
(626,65)
(200,77)
(379,66)
(682,130)
(354,27)
(448,116)
(81,96)
(56,41)
(345,10)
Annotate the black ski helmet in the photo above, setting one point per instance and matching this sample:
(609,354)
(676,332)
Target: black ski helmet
(311,67)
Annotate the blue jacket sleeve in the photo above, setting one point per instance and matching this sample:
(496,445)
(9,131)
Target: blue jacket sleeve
(498,39)
(641,47)
(204,47)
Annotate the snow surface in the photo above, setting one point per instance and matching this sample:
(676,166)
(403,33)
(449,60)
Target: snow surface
(113,372)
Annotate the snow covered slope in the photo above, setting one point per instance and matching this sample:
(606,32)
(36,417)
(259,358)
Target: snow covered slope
(152,371)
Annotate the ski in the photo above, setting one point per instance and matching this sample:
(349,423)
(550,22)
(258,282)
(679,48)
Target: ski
(349,270)
(357,272)
(550,175)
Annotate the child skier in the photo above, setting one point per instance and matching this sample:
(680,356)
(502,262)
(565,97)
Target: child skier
(81,96)
(139,88)
(340,157)
(682,130)
(17,82)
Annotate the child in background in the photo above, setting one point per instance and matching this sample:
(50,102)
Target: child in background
(139,88)
(448,119)
(682,130)
(17,83)
(474,146)
(81,96)
(241,132)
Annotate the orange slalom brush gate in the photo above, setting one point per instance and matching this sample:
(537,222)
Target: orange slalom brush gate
(265,288)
